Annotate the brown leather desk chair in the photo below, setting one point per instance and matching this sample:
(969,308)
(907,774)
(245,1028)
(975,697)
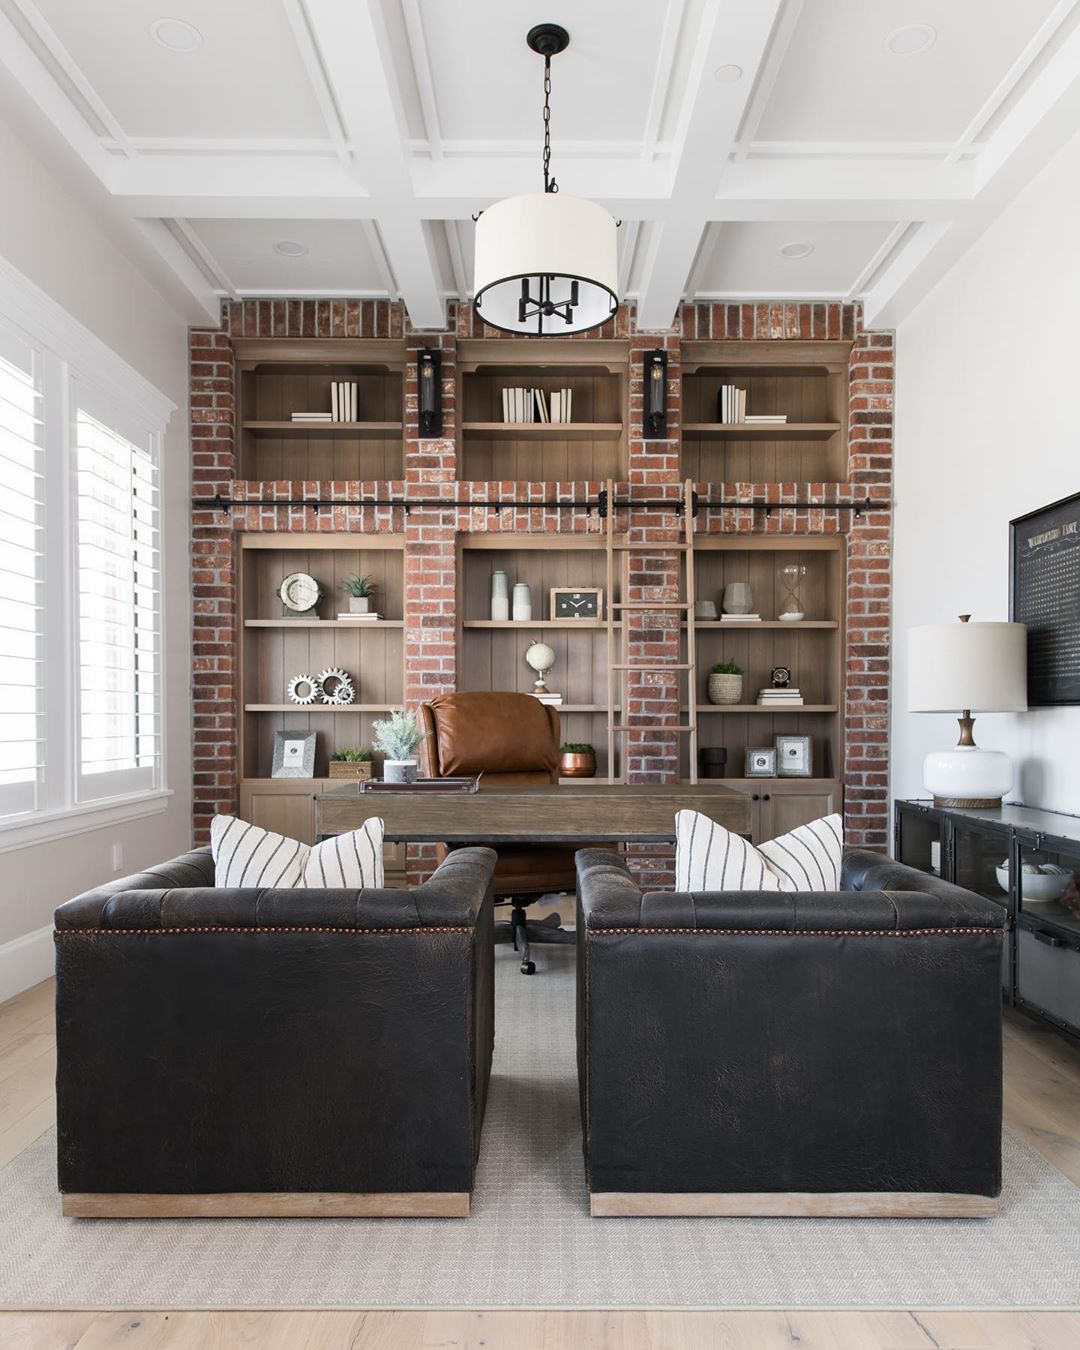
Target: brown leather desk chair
(509,738)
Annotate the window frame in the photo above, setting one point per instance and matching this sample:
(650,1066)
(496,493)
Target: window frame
(73,359)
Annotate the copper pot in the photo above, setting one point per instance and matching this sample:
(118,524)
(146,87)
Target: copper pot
(574,765)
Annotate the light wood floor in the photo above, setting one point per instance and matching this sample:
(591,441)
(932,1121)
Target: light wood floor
(1042,1105)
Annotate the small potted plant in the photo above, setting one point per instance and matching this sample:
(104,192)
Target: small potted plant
(398,738)
(359,590)
(350,762)
(725,683)
(577,761)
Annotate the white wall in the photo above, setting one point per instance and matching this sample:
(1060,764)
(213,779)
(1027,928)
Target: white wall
(987,397)
(55,236)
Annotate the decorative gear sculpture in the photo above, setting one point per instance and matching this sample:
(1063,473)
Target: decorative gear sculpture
(314,689)
(336,686)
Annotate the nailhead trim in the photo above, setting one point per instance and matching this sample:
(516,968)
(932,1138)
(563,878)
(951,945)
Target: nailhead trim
(213,928)
(803,932)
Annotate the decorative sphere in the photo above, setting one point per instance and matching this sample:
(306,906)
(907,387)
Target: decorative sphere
(540,656)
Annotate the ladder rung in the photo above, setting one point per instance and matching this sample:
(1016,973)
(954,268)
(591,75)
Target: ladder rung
(656,604)
(653,666)
(681,729)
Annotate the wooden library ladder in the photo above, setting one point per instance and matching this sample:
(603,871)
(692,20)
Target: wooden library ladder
(619,670)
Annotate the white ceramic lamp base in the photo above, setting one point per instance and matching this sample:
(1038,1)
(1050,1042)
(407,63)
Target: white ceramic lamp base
(967,776)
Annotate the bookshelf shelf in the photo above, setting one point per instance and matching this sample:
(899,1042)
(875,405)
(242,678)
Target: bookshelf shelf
(375,431)
(543,431)
(318,709)
(356,626)
(772,431)
(768,625)
(566,625)
(772,711)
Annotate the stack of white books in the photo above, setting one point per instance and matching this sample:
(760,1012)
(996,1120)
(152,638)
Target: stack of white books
(552,699)
(344,401)
(779,698)
(310,417)
(536,405)
(765,419)
(369,617)
(740,618)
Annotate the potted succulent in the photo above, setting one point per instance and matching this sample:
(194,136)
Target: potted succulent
(725,683)
(398,738)
(359,590)
(577,761)
(351,762)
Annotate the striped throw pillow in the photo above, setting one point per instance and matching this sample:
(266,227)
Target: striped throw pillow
(710,858)
(247,855)
(350,860)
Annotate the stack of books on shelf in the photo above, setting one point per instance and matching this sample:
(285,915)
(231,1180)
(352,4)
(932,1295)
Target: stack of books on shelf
(369,617)
(731,409)
(310,417)
(536,405)
(780,698)
(740,618)
(553,699)
(344,403)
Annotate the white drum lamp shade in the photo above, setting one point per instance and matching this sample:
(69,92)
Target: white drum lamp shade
(545,263)
(967,668)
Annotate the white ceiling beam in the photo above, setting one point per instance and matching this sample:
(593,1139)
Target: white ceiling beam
(1039,123)
(370,105)
(709,121)
(182,266)
(670,31)
(189,239)
(425,83)
(300,23)
(767,74)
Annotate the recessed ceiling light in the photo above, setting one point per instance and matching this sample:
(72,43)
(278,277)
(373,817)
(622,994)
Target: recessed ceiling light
(290,248)
(795,250)
(911,39)
(176,34)
(728,74)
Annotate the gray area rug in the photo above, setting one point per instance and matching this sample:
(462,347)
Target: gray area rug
(530,1241)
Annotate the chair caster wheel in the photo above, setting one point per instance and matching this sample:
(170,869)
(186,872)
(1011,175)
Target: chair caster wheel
(528,968)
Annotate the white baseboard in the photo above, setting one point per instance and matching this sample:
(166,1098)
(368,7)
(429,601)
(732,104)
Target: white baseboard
(25,961)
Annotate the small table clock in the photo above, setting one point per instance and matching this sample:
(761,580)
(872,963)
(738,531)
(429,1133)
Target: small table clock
(581,602)
(300,593)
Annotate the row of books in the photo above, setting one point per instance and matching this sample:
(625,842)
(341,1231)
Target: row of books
(731,408)
(370,617)
(553,700)
(740,618)
(344,405)
(780,698)
(536,405)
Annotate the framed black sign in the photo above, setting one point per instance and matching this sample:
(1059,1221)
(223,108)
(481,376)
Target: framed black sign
(1044,593)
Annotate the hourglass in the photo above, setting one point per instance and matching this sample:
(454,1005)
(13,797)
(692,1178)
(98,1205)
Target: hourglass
(791,576)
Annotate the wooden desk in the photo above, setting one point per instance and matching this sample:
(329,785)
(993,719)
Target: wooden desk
(535,815)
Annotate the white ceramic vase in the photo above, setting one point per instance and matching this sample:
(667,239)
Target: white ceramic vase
(522,606)
(500,597)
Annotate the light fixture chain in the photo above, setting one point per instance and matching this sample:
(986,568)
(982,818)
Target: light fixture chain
(550,184)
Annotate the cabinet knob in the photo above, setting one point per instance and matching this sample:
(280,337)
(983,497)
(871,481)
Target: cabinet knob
(766,798)
(756,797)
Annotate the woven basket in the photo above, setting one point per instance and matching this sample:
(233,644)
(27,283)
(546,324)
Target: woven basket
(344,768)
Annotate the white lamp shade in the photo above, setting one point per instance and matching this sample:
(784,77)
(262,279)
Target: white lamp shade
(981,667)
(545,234)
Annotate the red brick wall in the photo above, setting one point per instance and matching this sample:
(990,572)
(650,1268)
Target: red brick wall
(430,470)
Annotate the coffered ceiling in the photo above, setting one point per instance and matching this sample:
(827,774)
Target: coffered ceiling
(750,148)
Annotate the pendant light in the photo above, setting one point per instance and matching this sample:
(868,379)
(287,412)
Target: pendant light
(545,264)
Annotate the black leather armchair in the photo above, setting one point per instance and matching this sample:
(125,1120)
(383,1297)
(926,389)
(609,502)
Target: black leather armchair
(261,1052)
(749,1053)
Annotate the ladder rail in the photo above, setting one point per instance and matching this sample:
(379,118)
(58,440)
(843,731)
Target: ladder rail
(691,628)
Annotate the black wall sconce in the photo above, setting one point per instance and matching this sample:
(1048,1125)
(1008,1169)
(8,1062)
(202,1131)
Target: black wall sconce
(429,378)
(654,411)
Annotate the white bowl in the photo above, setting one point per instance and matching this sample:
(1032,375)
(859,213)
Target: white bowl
(1040,887)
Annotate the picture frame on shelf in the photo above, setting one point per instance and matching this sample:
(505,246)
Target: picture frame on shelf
(760,762)
(577,602)
(294,754)
(795,756)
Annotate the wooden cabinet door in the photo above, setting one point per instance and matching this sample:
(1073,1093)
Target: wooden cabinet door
(284,807)
(785,806)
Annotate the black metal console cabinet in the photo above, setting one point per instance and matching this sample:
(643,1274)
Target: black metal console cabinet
(1041,968)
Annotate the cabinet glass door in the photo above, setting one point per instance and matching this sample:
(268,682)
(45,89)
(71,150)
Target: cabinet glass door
(1048,932)
(980,863)
(919,838)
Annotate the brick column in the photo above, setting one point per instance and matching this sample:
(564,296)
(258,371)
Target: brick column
(213,585)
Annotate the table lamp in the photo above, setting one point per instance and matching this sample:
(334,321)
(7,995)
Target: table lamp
(961,667)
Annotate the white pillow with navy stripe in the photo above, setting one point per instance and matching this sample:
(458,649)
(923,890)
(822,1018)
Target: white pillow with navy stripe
(710,858)
(247,855)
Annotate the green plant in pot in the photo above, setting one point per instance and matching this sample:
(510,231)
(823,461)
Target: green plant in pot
(726,683)
(360,591)
(351,762)
(398,738)
(577,760)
